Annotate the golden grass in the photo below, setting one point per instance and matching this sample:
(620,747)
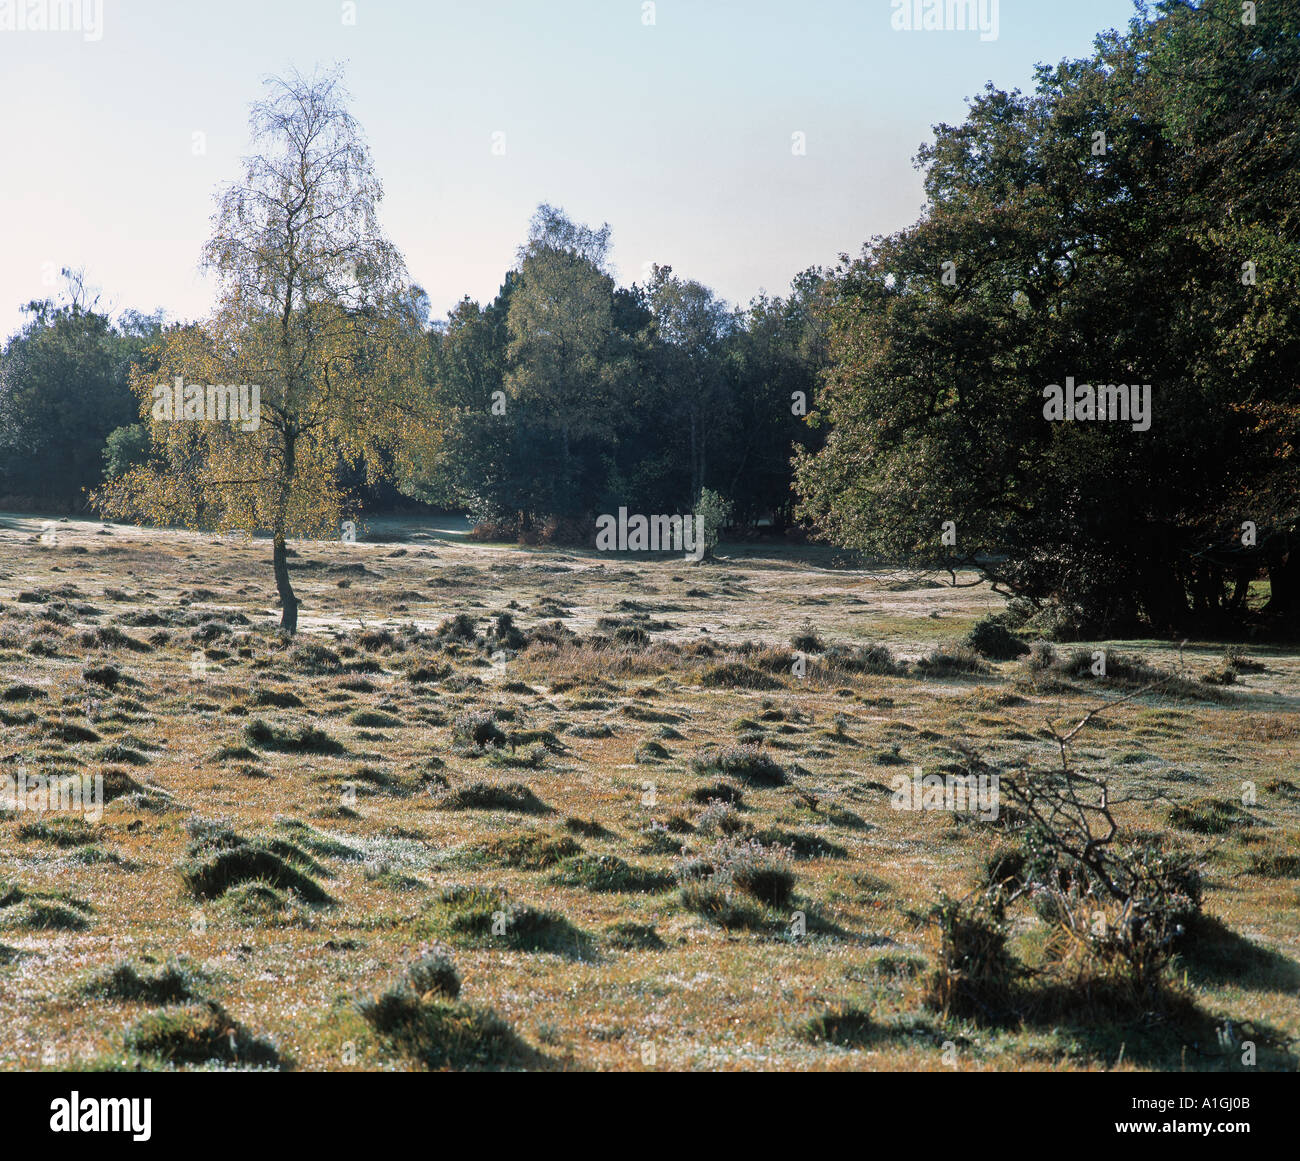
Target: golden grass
(578,717)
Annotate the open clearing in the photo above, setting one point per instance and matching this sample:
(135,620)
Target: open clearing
(292,822)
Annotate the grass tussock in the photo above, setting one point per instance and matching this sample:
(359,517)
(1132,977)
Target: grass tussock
(609,873)
(514,797)
(952,660)
(748,764)
(440,1034)
(199,1034)
(171,983)
(303,740)
(737,675)
(23,910)
(851,660)
(224,861)
(59,832)
(1207,815)
(487,916)
(529,850)
(844,1025)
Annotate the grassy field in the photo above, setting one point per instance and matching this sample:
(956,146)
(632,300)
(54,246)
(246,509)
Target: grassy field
(642,841)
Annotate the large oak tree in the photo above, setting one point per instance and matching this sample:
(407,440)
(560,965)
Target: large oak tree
(1132,221)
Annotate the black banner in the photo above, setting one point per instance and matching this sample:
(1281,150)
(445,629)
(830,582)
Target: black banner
(337,1110)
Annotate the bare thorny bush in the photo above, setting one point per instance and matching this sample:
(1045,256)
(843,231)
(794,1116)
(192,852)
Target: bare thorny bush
(1116,911)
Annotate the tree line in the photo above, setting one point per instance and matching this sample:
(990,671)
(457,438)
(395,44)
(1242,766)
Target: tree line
(1132,223)
(568,396)
(564,396)
(1133,220)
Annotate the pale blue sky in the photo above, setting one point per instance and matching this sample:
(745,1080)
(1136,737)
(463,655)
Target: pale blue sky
(678,134)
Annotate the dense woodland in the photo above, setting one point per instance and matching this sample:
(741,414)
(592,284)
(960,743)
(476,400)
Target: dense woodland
(1134,219)
(645,396)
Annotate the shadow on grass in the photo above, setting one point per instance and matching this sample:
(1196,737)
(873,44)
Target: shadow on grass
(847,1026)
(444,1034)
(1100,1025)
(1105,1021)
(487,917)
(1176,1035)
(1215,955)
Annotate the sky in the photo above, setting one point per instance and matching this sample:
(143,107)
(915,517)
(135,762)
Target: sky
(675,122)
